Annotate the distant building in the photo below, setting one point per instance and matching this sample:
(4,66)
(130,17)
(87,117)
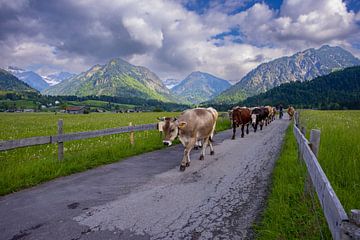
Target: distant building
(29,110)
(75,109)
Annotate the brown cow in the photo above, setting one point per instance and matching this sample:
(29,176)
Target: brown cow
(291,112)
(274,113)
(241,116)
(192,125)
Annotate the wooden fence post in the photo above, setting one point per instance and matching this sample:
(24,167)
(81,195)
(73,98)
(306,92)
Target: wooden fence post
(297,119)
(131,135)
(300,150)
(60,144)
(314,146)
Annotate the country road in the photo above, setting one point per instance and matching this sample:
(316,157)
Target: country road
(147,197)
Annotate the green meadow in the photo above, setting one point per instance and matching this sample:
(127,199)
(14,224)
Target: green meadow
(24,167)
(292,214)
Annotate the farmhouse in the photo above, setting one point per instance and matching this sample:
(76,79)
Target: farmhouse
(75,109)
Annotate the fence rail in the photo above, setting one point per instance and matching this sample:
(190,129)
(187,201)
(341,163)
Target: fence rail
(60,137)
(340,225)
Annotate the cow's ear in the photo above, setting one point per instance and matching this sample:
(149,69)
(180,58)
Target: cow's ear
(182,125)
(160,126)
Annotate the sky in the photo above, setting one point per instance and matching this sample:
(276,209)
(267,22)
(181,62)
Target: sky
(226,38)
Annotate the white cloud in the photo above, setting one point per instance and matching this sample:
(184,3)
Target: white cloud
(165,37)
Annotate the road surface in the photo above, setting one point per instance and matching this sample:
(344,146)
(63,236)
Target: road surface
(147,197)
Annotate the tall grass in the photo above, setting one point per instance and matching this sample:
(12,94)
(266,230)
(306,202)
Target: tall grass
(292,214)
(25,167)
(339,153)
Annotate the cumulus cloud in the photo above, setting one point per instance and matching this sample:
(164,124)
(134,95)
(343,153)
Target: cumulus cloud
(299,24)
(165,36)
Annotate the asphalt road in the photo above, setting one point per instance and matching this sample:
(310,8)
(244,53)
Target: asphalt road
(147,197)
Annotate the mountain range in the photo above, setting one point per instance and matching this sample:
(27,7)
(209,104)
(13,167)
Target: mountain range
(199,87)
(302,66)
(171,82)
(121,79)
(56,78)
(339,89)
(33,79)
(36,81)
(8,82)
(116,78)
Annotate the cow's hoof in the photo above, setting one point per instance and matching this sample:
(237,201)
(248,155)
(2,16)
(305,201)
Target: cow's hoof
(232,138)
(212,152)
(247,132)
(201,157)
(242,135)
(196,148)
(182,168)
(188,164)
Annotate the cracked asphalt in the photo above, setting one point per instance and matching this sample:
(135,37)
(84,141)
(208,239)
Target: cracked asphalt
(147,197)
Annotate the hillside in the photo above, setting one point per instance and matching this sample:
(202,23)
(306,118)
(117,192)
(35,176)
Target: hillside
(116,78)
(302,66)
(340,89)
(199,87)
(9,82)
(33,79)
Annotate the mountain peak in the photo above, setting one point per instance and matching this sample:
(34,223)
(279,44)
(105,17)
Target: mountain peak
(302,66)
(199,87)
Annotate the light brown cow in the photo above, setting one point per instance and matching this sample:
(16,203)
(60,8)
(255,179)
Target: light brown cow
(291,112)
(192,125)
(271,113)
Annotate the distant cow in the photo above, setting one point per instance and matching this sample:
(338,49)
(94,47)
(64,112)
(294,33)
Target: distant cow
(241,116)
(270,115)
(192,125)
(274,113)
(259,116)
(291,112)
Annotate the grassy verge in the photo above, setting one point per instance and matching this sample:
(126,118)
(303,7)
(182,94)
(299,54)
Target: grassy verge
(339,153)
(290,213)
(25,167)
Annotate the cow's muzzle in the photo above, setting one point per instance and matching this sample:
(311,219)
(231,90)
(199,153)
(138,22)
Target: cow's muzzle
(167,143)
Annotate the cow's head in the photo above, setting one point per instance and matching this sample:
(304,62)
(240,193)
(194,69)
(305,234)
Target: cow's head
(170,127)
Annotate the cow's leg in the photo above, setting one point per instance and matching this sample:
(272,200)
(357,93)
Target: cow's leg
(261,124)
(234,131)
(186,159)
(255,126)
(203,150)
(242,130)
(247,128)
(211,148)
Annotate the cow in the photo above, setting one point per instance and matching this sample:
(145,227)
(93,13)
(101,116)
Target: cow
(259,116)
(274,113)
(190,126)
(241,116)
(291,112)
(270,115)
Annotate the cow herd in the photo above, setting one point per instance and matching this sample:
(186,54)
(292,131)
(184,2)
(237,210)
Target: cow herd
(196,127)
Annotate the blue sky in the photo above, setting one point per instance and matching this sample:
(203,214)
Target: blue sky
(227,38)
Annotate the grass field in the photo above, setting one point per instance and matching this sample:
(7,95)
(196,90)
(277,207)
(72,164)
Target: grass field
(291,214)
(25,167)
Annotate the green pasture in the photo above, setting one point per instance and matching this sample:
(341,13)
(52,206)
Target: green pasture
(25,167)
(292,214)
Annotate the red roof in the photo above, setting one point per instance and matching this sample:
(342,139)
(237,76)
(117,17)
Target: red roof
(74,108)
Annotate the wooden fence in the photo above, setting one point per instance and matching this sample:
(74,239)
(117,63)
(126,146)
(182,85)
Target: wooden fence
(61,137)
(340,224)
